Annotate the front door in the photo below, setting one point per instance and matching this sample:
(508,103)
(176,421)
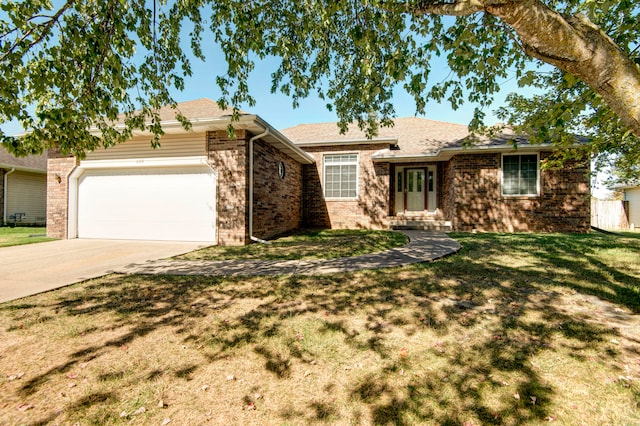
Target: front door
(415,190)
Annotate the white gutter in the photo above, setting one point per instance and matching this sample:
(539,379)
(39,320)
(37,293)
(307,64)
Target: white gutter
(4,199)
(335,142)
(447,153)
(303,156)
(253,139)
(23,169)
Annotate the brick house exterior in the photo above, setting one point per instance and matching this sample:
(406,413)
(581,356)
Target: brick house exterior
(465,184)
(260,183)
(371,207)
(475,201)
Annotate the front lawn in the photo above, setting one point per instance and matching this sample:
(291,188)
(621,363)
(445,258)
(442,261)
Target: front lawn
(22,235)
(322,244)
(514,330)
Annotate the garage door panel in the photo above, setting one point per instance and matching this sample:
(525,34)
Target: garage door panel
(154,204)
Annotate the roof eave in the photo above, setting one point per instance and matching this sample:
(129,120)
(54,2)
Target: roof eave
(284,144)
(250,122)
(337,142)
(445,154)
(623,186)
(23,168)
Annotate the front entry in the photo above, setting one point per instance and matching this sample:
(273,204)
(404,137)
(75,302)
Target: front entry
(416,190)
(416,201)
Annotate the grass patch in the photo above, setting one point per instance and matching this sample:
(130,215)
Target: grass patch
(322,244)
(22,235)
(516,329)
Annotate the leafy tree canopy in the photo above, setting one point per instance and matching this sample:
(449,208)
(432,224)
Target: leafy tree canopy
(69,67)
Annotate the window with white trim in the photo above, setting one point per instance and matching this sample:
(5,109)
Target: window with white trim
(341,175)
(520,175)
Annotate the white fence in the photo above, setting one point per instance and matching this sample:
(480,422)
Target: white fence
(610,214)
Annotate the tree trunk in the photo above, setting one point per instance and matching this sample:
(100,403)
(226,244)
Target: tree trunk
(573,44)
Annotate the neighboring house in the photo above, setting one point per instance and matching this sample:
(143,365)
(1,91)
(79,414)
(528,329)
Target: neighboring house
(23,189)
(631,197)
(200,185)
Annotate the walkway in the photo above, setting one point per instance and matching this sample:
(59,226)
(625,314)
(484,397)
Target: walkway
(424,246)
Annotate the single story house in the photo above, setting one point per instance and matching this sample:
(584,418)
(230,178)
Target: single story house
(202,185)
(23,189)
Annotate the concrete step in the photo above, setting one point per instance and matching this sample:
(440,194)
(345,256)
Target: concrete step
(420,224)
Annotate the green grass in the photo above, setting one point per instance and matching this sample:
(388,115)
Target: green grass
(323,244)
(518,329)
(22,235)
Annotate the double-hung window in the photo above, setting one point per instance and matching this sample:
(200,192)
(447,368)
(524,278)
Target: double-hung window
(520,175)
(341,175)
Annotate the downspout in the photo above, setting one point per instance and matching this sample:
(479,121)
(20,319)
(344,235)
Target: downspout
(253,139)
(4,196)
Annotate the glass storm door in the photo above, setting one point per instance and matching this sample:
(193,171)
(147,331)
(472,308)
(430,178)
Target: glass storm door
(415,179)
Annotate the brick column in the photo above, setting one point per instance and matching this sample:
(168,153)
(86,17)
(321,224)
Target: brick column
(229,158)
(59,168)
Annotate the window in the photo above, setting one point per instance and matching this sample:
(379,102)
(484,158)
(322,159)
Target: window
(520,174)
(341,176)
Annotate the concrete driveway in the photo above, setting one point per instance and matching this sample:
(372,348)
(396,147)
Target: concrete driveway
(35,268)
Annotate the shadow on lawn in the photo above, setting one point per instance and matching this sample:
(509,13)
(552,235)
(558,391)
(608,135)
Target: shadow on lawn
(447,298)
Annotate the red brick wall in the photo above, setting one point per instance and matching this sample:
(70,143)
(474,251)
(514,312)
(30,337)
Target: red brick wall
(277,203)
(59,168)
(229,158)
(474,199)
(369,210)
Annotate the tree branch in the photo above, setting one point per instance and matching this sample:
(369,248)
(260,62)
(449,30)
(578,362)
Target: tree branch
(577,46)
(451,8)
(45,29)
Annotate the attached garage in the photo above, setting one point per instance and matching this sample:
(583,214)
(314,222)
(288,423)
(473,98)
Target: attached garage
(147,203)
(200,184)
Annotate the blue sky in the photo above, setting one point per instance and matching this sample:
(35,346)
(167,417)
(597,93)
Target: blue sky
(278,111)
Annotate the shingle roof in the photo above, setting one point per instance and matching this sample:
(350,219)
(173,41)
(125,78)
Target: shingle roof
(196,109)
(414,135)
(32,162)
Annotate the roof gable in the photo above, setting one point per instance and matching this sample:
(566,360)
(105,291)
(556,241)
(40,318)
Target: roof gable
(193,110)
(414,137)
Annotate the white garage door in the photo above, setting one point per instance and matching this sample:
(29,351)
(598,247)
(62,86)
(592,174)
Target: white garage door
(147,204)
